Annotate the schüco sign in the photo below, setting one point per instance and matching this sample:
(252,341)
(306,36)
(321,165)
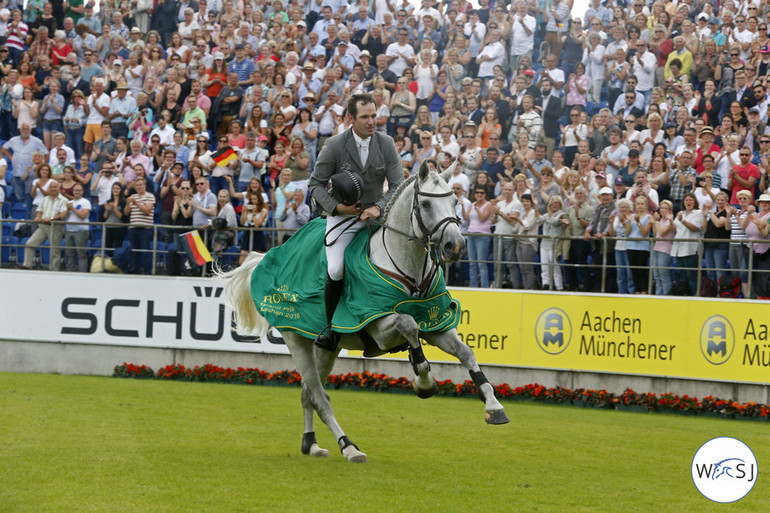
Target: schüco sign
(85,315)
(102,309)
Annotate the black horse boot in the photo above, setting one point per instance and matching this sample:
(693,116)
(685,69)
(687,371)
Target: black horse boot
(329,339)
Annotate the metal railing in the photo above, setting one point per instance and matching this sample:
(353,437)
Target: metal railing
(160,255)
(499,262)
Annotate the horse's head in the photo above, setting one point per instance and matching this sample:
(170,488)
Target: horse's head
(434,216)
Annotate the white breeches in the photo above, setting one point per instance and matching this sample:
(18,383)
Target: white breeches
(335,254)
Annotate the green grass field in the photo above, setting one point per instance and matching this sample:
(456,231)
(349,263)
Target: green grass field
(90,444)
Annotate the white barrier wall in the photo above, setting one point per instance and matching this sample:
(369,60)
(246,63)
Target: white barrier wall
(87,323)
(122,310)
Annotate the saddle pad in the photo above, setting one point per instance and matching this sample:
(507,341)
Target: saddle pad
(288,289)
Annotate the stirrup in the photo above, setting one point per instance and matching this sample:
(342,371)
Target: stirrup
(328,339)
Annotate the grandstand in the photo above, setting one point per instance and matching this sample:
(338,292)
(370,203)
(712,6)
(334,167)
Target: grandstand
(558,112)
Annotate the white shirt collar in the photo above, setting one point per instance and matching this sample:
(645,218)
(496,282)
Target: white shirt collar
(359,139)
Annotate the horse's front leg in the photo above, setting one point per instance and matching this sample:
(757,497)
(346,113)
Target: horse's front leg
(450,343)
(392,331)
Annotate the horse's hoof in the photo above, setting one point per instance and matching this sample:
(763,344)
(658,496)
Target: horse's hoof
(425,393)
(497,417)
(317,452)
(353,455)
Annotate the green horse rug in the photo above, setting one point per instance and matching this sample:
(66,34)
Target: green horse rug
(288,289)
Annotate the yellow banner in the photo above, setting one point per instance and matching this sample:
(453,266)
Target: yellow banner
(689,338)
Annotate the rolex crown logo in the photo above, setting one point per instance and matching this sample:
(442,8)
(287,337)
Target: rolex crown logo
(433,313)
(283,288)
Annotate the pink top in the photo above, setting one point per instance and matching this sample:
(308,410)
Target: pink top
(475,225)
(752,232)
(574,97)
(664,246)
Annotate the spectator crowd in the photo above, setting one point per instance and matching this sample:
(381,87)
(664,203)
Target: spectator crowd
(618,128)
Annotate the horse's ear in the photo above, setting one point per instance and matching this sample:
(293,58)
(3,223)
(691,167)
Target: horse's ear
(424,170)
(450,171)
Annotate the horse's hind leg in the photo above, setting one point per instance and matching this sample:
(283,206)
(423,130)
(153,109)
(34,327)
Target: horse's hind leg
(450,343)
(324,363)
(309,444)
(314,395)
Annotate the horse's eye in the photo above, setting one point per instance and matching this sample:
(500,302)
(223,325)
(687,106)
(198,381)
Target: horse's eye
(425,204)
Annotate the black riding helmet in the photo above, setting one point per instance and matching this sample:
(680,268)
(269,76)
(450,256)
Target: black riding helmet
(346,187)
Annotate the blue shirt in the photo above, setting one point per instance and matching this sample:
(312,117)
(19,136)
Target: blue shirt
(602,13)
(22,154)
(244,69)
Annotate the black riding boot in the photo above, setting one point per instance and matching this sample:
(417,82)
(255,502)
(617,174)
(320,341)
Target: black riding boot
(329,339)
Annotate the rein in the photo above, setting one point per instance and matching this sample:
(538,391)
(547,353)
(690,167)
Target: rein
(425,242)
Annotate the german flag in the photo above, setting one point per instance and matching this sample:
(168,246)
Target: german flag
(193,245)
(224,156)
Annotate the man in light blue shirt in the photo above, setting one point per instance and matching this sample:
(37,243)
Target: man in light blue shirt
(597,10)
(120,110)
(88,18)
(23,147)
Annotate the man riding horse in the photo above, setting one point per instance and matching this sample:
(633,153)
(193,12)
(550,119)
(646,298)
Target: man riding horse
(356,163)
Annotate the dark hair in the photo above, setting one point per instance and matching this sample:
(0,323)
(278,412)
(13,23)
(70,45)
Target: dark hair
(363,99)
(527,197)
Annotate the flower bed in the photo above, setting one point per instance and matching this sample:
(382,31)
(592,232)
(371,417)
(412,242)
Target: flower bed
(534,392)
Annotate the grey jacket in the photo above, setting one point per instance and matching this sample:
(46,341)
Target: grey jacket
(340,152)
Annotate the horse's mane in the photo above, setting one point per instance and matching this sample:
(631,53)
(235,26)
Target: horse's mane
(401,188)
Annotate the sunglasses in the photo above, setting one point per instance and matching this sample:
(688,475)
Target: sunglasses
(200,183)
(764,142)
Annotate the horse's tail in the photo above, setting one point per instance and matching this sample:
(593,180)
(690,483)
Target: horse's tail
(238,292)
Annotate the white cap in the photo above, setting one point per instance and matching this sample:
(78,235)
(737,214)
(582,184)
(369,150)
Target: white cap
(605,190)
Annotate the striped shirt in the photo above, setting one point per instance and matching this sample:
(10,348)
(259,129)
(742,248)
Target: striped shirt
(737,235)
(17,37)
(137,216)
(50,206)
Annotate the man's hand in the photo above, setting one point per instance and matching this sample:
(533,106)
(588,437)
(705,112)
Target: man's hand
(372,212)
(348,209)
